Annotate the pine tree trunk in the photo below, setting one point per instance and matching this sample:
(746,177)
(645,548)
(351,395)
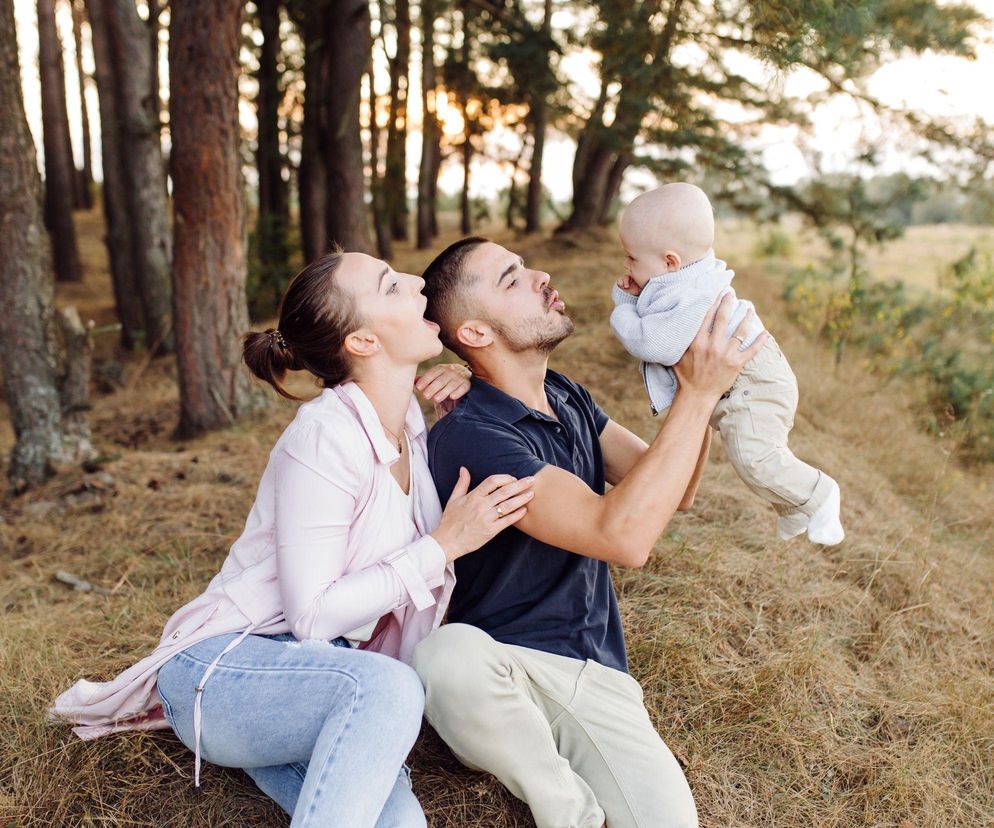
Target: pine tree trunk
(210,309)
(115,197)
(28,333)
(60,171)
(430,132)
(377,183)
(588,199)
(141,154)
(346,56)
(533,205)
(87,173)
(311,176)
(154,24)
(272,219)
(395,177)
(465,217)
(539,119)
(613,187)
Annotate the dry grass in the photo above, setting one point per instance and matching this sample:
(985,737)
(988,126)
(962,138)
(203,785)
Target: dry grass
(799,686)
(920,258)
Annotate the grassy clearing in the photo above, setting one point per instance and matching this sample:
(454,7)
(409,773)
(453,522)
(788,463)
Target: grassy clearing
(799,686)
(919,258)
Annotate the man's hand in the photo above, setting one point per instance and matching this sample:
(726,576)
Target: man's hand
(713,360)
(629,285)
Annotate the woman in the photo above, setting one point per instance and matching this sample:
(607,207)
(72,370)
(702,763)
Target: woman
(292,663)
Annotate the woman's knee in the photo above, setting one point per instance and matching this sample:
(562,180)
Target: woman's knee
(391,684)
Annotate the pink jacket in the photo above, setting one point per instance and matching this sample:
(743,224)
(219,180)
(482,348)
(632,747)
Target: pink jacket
(329,546)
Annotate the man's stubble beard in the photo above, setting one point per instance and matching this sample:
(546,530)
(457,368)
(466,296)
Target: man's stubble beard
(532,335)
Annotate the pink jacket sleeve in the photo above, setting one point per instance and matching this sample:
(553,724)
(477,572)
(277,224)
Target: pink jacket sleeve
(318,486)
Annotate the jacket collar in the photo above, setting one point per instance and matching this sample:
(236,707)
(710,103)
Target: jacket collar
(385,451)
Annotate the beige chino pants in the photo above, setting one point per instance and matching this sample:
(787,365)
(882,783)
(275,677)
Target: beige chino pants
(754,420)
(571,738)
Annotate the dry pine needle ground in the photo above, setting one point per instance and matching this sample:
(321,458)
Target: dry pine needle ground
(798,686)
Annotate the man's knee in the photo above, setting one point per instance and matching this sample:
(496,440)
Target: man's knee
(452,658)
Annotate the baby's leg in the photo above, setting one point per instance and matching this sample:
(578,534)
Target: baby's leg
(754,422)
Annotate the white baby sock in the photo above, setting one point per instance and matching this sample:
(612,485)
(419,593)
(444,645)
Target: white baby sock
(825,527)
(792,525)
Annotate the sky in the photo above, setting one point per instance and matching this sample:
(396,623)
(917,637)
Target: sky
(935,85)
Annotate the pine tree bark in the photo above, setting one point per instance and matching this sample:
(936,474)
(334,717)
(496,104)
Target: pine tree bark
(154,24)
(395,176)
(430,132)
(345,56)
(210,308)
(465,217)
(311,175)
(114,189)
(272,219)
(539,117)
(604,153)
(141,153)
(86,179)
(377,183)
(60,171)
(29,359)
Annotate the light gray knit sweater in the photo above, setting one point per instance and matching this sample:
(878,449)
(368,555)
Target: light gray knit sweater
(658,325)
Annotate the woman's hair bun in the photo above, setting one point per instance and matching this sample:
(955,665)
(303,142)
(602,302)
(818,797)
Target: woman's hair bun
(268,357)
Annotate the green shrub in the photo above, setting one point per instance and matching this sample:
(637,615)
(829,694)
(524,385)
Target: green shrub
(774,244)
(946,338)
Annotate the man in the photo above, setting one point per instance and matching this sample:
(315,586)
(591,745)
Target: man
(529,679)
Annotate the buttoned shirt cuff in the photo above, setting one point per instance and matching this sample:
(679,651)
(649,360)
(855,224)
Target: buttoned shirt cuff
(622,298)
(419,567)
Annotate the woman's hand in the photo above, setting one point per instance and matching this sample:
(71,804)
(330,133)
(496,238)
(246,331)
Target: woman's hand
(471,518)
(444,384)
(714,359)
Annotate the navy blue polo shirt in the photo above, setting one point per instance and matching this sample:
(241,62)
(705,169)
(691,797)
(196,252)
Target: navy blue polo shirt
(516,588)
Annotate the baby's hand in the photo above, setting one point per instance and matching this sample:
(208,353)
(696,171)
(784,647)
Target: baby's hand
(629,285)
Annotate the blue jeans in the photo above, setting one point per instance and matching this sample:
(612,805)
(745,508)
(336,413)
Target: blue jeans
(322,728)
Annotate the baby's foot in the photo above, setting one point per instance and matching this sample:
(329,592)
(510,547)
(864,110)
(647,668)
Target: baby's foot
(825,527)
(792,525)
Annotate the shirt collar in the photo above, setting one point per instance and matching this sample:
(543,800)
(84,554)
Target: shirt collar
(386,452)
(507,408)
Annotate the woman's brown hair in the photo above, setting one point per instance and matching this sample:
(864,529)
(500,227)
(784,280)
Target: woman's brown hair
(316,314)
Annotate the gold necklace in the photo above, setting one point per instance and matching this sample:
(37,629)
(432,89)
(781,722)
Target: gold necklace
(400,448)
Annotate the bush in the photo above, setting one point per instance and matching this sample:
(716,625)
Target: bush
(946,338)
(773,244)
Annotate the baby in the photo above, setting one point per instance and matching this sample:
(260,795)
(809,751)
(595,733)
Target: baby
(671,279)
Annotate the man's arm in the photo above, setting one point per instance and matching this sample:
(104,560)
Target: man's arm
(622,450)
(622,525)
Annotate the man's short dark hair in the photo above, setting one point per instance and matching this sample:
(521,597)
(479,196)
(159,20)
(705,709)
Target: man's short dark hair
(446,280)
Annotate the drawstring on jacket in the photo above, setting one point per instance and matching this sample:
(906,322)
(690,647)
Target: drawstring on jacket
(197,700)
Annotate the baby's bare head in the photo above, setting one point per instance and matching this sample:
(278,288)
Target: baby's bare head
(666,228)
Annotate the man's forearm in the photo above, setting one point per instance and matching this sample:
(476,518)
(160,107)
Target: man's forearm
(639,506)
(695,480)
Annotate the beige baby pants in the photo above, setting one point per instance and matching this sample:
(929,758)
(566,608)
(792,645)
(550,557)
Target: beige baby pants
(754,419)
(571,738)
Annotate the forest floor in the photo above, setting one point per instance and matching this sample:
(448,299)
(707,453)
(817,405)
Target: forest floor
(799,686)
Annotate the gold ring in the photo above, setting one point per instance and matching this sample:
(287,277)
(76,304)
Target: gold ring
(500,512)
